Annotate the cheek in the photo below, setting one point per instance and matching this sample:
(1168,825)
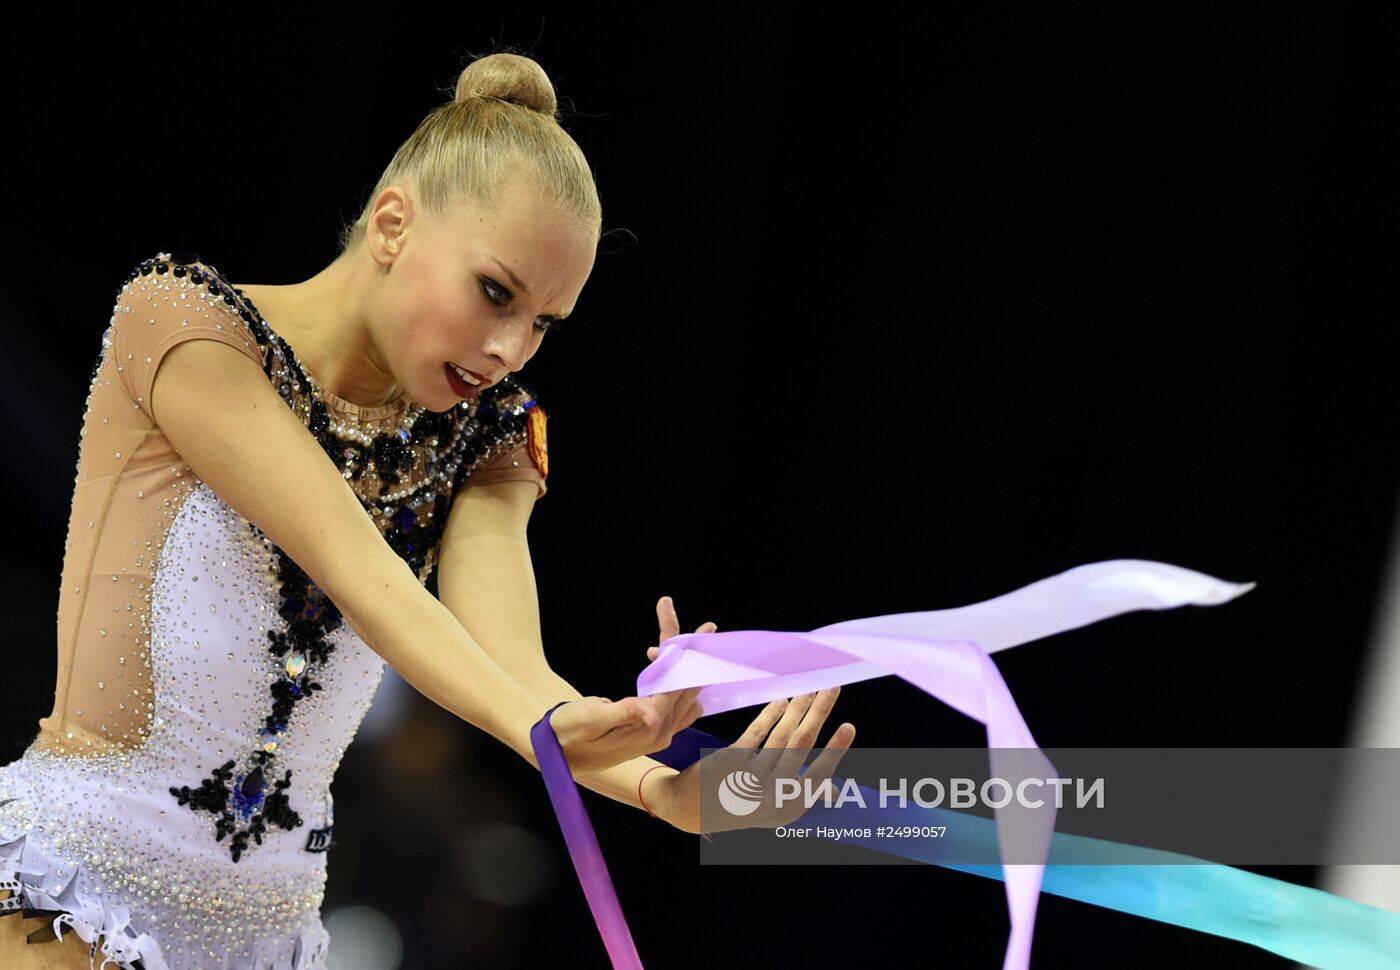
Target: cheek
(426,330)
(397,319)
(420,294)
(411,349)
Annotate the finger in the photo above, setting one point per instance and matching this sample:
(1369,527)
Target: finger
(804,736)
(668,622)
(688,708)
(699,707)
(620,714)
(819,771)
(610,720)
(778,739)
(685,709)
(649,715)
(760,726)
(673,710)
(825,763)
(654,652)
(688,716)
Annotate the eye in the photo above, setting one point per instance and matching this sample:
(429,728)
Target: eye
(491,288)
(501,296)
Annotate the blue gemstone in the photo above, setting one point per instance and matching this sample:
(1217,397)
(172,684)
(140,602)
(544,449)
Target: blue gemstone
(253,784)
(405,518)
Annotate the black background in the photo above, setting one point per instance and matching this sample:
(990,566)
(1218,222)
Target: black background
(891,315)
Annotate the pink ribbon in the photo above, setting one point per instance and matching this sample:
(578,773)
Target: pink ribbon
(947,654)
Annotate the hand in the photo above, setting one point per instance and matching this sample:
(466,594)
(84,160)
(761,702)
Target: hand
(794,727)
(596,733)
(669,625)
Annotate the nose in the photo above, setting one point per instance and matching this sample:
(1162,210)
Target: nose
(509,346)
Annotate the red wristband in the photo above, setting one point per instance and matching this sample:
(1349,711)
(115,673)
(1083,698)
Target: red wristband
(639,789)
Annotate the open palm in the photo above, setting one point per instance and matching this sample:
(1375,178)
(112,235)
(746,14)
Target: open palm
(786,732)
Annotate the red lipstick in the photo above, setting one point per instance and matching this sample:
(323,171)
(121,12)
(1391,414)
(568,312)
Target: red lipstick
(460,387)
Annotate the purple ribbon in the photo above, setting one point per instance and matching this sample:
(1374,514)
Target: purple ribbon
(583,845)
(945,653)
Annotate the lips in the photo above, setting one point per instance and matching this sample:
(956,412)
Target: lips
(481,377)
(460,387)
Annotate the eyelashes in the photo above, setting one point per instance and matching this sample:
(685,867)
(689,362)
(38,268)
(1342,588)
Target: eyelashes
(490,287)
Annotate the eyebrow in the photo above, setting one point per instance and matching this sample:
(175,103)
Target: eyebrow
(525,289)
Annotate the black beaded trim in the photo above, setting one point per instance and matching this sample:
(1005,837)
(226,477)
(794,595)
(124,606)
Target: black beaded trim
(242,798)
(502,426)
(466,435)
(301,650)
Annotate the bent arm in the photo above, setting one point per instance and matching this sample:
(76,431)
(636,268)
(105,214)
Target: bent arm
(487,581)
(219,411)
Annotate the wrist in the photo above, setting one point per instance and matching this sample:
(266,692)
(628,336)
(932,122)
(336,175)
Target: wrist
(654,791)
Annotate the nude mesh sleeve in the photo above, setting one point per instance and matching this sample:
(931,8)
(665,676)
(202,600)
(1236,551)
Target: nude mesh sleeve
(130,487)
(149,322)
(508,466)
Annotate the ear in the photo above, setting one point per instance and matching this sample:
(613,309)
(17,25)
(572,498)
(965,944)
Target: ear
(389,220)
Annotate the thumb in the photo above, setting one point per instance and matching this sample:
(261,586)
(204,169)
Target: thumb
(602,719)
(652,652)
(623,713)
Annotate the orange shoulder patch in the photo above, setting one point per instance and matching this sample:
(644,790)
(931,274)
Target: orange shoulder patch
(539,448)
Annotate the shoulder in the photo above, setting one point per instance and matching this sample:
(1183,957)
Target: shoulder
(186,282)
(507,418)
(506,405)
(507,415)
(170,298)
(189,276)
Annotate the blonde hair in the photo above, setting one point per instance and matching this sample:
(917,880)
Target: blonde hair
(502,124)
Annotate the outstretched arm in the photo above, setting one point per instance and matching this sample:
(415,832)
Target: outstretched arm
(220,412)
(486,580)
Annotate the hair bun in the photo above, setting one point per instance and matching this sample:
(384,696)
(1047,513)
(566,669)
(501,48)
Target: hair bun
(508,77)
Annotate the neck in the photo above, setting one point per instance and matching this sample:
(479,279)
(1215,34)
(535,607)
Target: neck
(323,321)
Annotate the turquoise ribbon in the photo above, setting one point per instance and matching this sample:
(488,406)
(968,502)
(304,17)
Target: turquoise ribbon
(1310,926)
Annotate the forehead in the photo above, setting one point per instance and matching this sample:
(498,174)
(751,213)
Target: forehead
(543,248)
(517,221)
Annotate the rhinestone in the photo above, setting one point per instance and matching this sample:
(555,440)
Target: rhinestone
(205,723)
